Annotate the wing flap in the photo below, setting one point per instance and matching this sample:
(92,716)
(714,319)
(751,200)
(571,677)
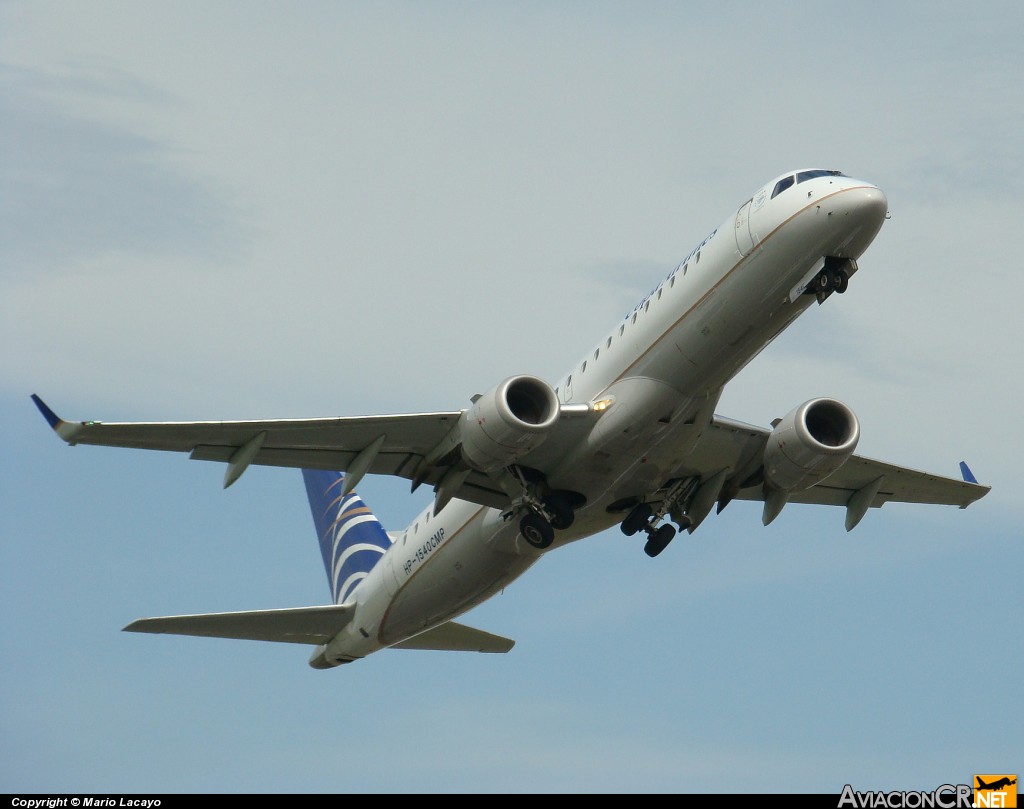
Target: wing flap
(455,637)
(311,625)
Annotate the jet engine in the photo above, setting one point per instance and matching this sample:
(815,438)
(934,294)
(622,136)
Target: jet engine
(507,422)
(809,444)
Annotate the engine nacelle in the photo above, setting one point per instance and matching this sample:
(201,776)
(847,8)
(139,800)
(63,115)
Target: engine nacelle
(809,444)
(507,422)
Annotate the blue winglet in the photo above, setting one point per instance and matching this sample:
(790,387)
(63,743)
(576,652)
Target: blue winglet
(51,417)
(968,475)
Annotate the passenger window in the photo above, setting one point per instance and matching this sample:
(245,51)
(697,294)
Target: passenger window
(609,343)
(583,368)
(672,283)
(622,328)
(634,317)
(781,186)
(659,293)
(647,305)
(596,352)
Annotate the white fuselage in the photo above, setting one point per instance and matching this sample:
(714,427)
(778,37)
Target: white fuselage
(663,367)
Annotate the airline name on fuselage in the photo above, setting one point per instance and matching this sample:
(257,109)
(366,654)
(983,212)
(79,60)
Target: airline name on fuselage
(675,269)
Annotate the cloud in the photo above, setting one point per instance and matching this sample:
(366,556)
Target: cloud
(75,188)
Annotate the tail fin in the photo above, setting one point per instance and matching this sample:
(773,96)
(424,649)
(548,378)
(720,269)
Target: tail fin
(352,540)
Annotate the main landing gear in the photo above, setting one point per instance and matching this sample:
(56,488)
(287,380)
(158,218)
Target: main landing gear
(536,530)
(544,514)
(643,518)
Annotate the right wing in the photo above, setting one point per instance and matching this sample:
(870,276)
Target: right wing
(400,445)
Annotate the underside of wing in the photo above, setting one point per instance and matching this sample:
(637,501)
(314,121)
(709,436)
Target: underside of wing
(729,458)
(311,625)
(736,442)
(395,445)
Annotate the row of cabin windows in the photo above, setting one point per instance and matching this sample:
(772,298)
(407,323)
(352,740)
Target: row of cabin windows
(416,527)
(622,328)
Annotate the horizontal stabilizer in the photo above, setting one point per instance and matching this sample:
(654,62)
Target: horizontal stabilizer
(453,637)
(314,625)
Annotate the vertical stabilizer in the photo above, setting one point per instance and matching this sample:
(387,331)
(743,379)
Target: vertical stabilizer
(352,540)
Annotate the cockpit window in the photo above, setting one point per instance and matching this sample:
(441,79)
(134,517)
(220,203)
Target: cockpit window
(781,186)
(801,176)
(814,173)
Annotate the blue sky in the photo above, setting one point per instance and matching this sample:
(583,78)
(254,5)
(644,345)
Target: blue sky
(239,211)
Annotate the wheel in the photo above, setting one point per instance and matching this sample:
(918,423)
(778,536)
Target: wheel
(823,282)
(841,282)
(536,531)
(659,540)
(562,515)
(636,519)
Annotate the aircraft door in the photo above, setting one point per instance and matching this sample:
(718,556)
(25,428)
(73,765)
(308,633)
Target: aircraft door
(567,390)
(744,241)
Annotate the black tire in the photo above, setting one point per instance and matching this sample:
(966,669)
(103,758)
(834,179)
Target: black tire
(659,540)
(562,515)
(536,531)
(823,283)
(637,519)
(841,282)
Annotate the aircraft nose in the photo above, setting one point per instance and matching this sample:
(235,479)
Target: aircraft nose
(859,213)
(867,205)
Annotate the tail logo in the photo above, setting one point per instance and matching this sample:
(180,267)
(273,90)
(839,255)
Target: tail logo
(352,540)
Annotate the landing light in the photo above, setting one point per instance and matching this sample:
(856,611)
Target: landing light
(603,404)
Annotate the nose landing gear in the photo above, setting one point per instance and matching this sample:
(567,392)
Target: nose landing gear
(834,277)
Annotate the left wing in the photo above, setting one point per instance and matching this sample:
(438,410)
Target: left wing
(385,445)
(859,484)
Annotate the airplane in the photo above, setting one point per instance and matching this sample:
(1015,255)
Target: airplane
(629,437)
(1002,783)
